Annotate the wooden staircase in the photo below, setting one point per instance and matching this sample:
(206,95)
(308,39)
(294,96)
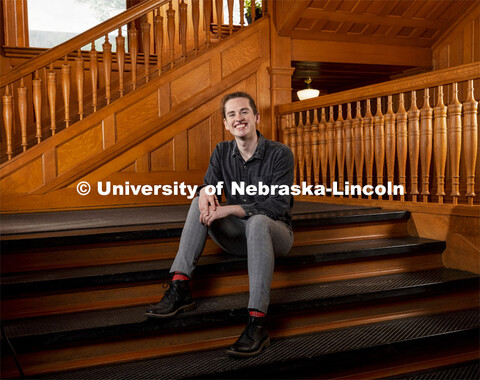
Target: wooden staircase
(355,297)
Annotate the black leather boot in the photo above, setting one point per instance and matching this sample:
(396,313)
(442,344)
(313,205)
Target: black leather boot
(253,339)
(177,299)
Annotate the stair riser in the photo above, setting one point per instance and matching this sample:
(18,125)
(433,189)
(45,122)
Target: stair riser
(188,341)
(207,285)
(125,252)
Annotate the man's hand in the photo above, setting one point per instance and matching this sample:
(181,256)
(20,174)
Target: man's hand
(221,212)
(206,204)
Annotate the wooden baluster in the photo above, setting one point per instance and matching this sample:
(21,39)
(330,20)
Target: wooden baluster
(284,123)
(219,9)
(426,143)
(369,138)
(322,137)
(315,147)
(133,49)
(340,142)
(379,122)
(402,144)
(349,146)
(252,9)
(300,149)
(264,7)
(242,14)
(107,67)
(120,41)
(359,145)
(94,76)
(158,24)
(414,145)
(470,138)
(230,17)
(331,145)
(171,33)
(79,78)
(293,143)
(196,23)
(455,141)
(390,137)
(66,90)
(146,48)
(207,17)
(182,9)
(440,143)
(37,105)
(22,112)
(52,95)
(307,141)
(8,119)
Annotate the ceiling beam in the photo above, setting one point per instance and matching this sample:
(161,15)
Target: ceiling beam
(292,17)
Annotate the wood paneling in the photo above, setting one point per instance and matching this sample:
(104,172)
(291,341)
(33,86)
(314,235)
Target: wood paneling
(199,148)
(162,158)
(144,110)
(190,84)
(25,179)
(239,55)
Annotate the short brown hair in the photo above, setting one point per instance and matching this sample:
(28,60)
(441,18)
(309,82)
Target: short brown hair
(238,94)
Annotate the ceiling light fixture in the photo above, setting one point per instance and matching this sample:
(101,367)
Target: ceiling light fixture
(308,93)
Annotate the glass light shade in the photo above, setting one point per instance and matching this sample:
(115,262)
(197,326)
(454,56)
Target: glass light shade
(307,93)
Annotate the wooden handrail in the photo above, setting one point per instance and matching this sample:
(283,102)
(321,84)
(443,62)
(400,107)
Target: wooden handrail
(430,79)
(82,39)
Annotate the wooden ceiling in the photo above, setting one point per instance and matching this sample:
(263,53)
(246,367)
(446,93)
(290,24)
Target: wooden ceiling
(400,22)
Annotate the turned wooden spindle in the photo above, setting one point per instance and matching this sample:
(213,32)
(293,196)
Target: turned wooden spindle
(414,145)
(22,112)
(207,19)
(79,79)
(390,142)
(470,140)
(340,142)
(37,106)
(426,135)
(146,48)
(133,50)
(369,139)
(359,145)
(252,10)
(292,134)
(379,122)
(322,138)
(230,17)
(284,124)
(158,25)
(66,90)
(331,146)
(315,147)
(455,141)
(107,67)
(219,9)
(196,23)
(402,144)
(349,146)
(8,119)
(94,76)
(52,95)
(307,144)
(120,41)
(182,28)
(300,148)
(242,14)
(440,143)
(171,33)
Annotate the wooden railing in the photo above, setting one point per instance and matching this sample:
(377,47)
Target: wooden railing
(379,137)
(47,94)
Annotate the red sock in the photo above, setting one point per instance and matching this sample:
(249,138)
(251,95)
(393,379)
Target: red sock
(256,313)
(180,276)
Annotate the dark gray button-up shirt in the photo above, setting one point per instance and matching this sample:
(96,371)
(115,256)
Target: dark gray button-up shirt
(271,164)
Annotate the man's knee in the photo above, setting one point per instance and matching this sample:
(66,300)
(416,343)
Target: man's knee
(258,224)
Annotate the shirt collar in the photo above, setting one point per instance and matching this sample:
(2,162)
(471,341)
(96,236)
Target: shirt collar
(259,150)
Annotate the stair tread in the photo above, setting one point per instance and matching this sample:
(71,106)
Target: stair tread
(155,270)
(233,307)
(154,217)
(289,352)
(469,370)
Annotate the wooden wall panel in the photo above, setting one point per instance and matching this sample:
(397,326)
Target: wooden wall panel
(162,158)
(240,54)
(144,110)
(78,149)
(190,84)
(24,180)
(198,139)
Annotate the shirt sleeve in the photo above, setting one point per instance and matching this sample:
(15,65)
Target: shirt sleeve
(275,206)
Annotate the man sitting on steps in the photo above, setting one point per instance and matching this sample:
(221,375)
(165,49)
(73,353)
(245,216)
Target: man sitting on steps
(255,226)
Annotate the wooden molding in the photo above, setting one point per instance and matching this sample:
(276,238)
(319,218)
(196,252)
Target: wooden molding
(296,10)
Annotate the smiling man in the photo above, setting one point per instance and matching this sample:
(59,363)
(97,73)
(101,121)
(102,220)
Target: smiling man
(255,226)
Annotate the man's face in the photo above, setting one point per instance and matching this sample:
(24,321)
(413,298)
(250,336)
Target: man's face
(240,119)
